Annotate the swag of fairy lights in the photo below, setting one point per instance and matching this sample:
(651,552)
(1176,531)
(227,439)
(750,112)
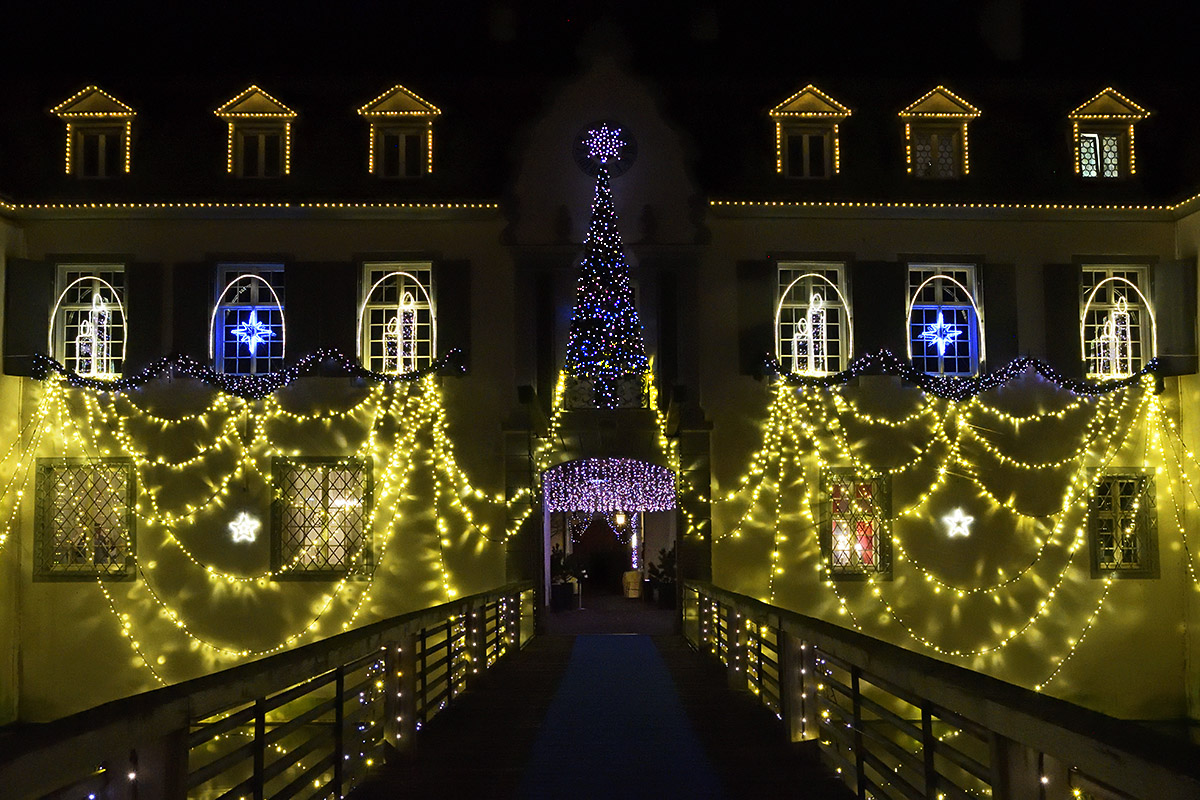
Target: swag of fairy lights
(608,484)
(818,426)
(402,429)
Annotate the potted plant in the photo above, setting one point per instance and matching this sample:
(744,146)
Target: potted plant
(662,577)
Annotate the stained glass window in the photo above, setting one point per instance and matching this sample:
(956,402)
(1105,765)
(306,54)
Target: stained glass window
(1100,155)
(398,321)
(856,537)
(84,519)
(249,324)
(935,153)
(320,516)
(943,331)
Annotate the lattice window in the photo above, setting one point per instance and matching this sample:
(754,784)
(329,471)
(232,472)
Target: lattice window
(398,321)
(812,332)
(320,517)
(809,154)
(943,331)
(84,519)
(89,333)
(1116,324)
(1123,525)
(855,532)
(935,154)
(249,326)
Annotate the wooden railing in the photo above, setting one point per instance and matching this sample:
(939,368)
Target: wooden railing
(304,723)
(897,724)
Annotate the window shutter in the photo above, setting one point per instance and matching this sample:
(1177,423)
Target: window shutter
(999,289)
(1175,315)
(194,296)
(1063,296)
(145,306)
(879,294)
(452,299)
(321,307)
(755,314)
(28,298)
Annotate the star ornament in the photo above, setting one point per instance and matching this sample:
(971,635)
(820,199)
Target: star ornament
(940,334)
(604,143)
(244,528)
(252,333)
(958,523)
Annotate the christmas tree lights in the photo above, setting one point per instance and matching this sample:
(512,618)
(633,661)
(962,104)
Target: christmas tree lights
(605,341)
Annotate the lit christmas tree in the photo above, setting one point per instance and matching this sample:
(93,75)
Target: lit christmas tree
(605,344)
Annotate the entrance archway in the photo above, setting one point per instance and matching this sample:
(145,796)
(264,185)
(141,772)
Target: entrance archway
(606,516)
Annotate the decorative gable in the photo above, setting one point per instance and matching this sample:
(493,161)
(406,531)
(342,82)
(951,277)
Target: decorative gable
(260,134)
(400,136)
(1102,134)
(935,134)
(806,134)
(99,128)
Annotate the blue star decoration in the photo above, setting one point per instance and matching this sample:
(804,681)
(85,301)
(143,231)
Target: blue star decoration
(604,143)
(940,334)
(252,333)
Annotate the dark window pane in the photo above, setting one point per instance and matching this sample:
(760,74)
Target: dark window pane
(391,155)
(795,156)
(816,156)
(250,155)
(412,155)
(272,155)
(89,165)
(114,159)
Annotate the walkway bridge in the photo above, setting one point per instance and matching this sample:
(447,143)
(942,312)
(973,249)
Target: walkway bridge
(463,700)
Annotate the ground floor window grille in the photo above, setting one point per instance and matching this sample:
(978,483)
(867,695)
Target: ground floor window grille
(84,519)
(1123,525)
(855,536)
(320,516)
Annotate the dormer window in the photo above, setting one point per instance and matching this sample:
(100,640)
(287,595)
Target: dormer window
(400,139)
(935,135)
(98,133)
(1102,129)
(806,134)
(260,135)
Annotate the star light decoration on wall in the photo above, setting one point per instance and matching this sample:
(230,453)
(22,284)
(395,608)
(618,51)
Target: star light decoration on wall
(604,143)
(958,523)
(607,144)
(244,528)
(940,334)
(252,333)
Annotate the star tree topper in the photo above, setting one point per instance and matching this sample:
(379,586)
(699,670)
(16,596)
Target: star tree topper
(604,143)
(252,333)
(244,528)
(940,334)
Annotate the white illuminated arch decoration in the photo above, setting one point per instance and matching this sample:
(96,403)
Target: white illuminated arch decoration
(362,309)
(212,321)
(912,301)
(120,309)
(1145,304)
(841,299)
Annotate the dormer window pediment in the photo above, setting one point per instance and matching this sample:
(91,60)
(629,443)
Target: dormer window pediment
(259,144)
(1102,134)
(935,135)
(807,141)
(99,129)
(400,136)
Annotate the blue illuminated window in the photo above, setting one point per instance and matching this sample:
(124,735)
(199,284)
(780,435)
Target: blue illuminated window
(943,330)
(249,322)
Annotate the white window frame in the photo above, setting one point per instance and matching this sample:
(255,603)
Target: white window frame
(249,294)
(1096,139)
(791,306)
(1095,308)
(382,292)
(68,315)
(956,279)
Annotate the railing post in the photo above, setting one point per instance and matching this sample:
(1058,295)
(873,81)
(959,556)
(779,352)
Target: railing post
(794,679)
(928,751)
(401,707)
(476,638)
(1015,773)
(260,746)
(339,731)
(735,639)
(860,783)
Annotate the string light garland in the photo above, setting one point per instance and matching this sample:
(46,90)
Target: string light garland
(608,484)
